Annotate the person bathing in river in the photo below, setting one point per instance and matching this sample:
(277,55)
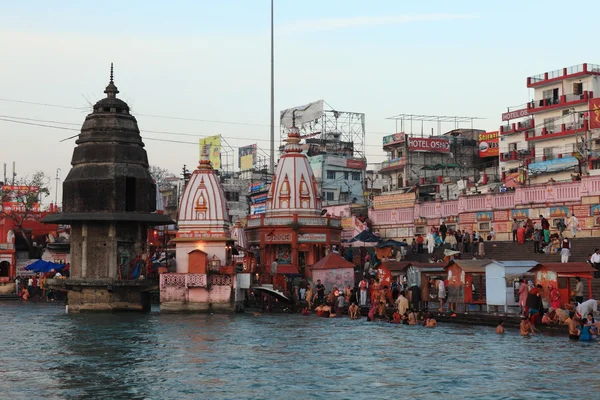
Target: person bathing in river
(396,318)
(430,322)
(381,310)
(412,317)
(353,311)
(372,311)
(526,327)
(500,327)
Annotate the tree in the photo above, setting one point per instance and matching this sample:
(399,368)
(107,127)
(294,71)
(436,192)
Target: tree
(21,203)
(161,176)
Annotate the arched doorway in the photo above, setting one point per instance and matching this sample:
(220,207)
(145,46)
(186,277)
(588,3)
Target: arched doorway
(4,268)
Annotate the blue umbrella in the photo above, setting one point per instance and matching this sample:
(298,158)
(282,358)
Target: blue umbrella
(44,266)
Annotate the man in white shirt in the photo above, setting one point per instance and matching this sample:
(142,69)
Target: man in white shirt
(587,307)
(401,304)
(595,260)
(573,224)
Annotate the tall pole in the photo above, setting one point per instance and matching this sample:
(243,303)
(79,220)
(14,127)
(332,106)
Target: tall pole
(272,160)
(56,188)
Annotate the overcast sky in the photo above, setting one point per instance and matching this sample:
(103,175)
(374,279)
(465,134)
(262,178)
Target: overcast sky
(209,60)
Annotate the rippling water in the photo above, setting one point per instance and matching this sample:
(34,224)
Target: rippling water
(48,354)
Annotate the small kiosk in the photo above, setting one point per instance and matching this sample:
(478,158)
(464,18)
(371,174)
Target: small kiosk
(562,276)
(500,278)
(465,274)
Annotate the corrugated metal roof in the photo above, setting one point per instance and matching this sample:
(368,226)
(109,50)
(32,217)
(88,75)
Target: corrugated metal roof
(516,264)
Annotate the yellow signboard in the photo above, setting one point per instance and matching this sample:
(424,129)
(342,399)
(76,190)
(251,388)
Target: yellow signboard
(214,149)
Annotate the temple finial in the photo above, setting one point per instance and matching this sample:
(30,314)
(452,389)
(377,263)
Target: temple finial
(111,73)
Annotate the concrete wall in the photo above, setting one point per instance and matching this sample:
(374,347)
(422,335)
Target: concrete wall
(196,292)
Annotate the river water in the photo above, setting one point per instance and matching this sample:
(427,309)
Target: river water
(49,354)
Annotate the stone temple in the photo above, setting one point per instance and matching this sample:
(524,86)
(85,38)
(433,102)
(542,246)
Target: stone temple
(109,200)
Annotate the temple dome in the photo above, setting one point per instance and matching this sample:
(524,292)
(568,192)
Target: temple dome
(294,187)
(203,204)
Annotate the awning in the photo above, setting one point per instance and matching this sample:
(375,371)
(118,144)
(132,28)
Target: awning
(271,291)
(556,165)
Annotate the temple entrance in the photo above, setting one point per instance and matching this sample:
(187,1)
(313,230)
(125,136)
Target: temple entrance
(302,257)
(4,269)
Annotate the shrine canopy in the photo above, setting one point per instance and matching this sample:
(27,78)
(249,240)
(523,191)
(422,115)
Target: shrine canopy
(365,238)
(332,261)
(333,271)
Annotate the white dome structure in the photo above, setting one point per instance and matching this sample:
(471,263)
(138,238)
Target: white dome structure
(294,187)
(203,209)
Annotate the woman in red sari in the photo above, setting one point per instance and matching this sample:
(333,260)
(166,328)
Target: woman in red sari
(521,235)
(554,297)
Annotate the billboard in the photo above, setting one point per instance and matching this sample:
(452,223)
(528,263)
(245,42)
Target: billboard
(246,157)
(19,198)
(594,113)
(431,145)
(489,144)
(306,113)
(390,201)
(393,139)
(507,116)
(214,149)
(346,162)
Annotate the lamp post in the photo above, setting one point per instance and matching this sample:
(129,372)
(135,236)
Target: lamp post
(272,155)
(56,188)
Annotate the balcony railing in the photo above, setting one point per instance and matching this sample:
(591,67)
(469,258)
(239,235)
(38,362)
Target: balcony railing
(517,127)
(558,130)
(564,100)
(517,155)
(558,74)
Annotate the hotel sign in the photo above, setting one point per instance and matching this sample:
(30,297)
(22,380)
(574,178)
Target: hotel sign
(431,145)
(507,116)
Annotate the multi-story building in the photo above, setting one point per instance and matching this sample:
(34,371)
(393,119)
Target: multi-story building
(435,161)
(553,139)
(339,174)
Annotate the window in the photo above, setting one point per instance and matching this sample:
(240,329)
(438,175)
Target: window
(548,153)
(356,176)
(549,124)
(329,196)
(578,88)
(512,147)
(346,175)
(547,94)
(130,196)
(330,174)
(232,196)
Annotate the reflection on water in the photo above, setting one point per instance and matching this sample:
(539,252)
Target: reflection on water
(53,355)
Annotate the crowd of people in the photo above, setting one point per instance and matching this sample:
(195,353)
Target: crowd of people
(466,242)
(33,287)
(544,241)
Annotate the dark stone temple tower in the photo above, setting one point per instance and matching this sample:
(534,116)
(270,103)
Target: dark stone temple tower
(109,199)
